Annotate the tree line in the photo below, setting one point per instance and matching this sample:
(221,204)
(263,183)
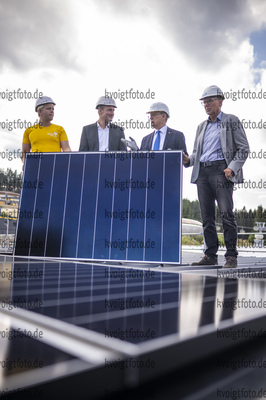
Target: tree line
(10,181)
(246,219)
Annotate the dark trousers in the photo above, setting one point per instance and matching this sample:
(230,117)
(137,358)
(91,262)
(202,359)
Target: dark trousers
(212,185)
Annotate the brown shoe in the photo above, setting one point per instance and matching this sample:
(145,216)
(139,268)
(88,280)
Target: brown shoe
(230,262)
(206,261)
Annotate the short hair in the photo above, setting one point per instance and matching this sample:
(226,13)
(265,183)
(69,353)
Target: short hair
(40,108)
(163,112)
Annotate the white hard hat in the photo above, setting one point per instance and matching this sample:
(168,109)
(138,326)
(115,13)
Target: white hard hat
(211,91)
(105,101)
(159,107)
(43,100)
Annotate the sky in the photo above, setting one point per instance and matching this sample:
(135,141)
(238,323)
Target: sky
(141,51)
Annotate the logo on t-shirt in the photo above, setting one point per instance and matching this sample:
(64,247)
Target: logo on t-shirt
(52,134)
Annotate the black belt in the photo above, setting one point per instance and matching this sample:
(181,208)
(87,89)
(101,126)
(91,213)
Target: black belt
(210,163)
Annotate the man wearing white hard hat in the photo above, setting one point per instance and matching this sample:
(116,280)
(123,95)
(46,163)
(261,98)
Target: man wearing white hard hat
(163,137)
(103,135)
(220,150)
(45,136)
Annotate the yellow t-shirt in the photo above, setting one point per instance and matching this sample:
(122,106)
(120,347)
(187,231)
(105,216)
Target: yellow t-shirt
(45,138)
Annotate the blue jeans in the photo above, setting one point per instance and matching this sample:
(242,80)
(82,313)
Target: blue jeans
(212,185)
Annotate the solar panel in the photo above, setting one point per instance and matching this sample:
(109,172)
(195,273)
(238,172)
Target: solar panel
(102,206)
(131,324)
(66,291)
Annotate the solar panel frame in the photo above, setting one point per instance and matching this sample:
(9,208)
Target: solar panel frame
(102,207)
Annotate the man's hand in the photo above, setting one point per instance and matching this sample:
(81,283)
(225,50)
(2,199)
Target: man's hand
(130,143)
(228,173)
(186,158)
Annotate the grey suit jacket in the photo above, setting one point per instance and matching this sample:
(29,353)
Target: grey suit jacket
(234,145)
(174,140)
(90,141)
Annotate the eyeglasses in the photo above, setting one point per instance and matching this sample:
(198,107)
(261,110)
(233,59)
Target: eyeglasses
(209,101)
(155,113)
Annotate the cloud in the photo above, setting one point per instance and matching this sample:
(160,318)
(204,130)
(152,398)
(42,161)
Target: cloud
(207,32)
(35,34)
(174,47)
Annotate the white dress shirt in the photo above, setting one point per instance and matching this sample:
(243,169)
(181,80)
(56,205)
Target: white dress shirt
(103,135)
(163,131)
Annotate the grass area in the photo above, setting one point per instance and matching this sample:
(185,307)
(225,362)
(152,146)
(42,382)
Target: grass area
(195,240)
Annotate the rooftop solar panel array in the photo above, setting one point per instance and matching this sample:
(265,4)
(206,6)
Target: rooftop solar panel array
(100,318)
(121,321)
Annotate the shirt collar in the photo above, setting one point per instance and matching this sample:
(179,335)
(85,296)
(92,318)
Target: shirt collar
(162,130)
(219,117)
(99,126)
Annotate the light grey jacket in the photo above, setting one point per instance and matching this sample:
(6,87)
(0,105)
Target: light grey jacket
(234,145)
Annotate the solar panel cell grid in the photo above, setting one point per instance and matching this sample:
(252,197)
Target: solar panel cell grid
(101,207)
